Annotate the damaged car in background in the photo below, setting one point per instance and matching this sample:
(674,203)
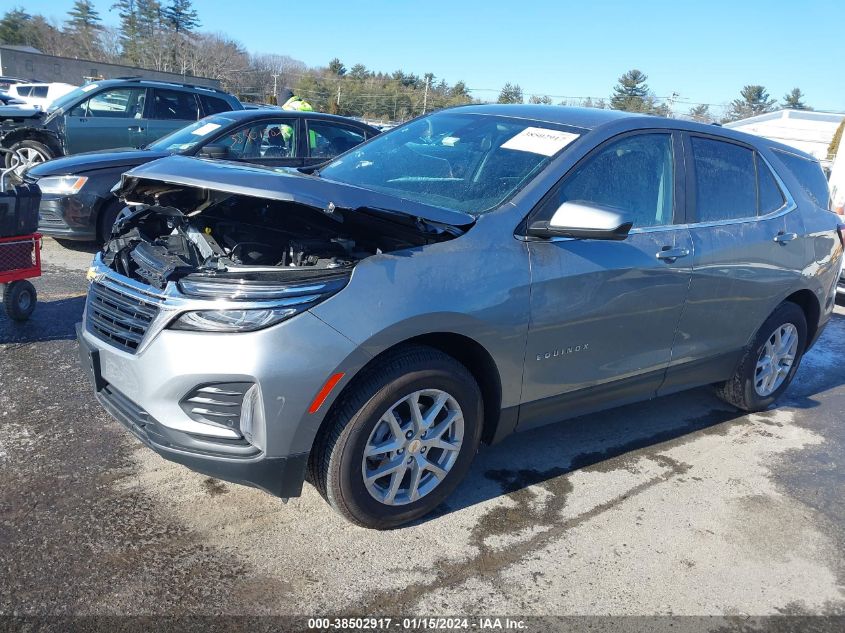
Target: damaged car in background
(366,323)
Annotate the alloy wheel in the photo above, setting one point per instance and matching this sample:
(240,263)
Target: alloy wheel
(776,359)
(25,158)
(412,447)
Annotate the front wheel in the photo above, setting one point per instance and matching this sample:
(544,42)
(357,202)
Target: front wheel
(27,154)
(400,439)
(19,299)
(770,362)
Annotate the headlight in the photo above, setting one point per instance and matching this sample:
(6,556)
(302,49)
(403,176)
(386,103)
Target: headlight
(62,185)
(233,320)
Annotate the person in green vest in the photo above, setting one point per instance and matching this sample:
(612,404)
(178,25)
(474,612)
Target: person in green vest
(291,101)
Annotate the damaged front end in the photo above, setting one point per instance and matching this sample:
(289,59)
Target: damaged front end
(247,234)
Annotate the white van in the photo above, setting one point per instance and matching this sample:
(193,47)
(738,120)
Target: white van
(40,95)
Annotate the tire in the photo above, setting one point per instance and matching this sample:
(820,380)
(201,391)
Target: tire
(19,299)
(27,154)
(357,420)
(108,214)
(743,389)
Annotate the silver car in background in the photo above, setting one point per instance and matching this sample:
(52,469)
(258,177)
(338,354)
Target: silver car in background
(478,271)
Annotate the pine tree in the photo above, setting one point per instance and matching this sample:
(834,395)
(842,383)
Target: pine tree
(793,100)
(754,100)
(631,92)
(181,16)
(701,113)
(84,18)
(129,30)
(17,28)
(511,93)
(336,67)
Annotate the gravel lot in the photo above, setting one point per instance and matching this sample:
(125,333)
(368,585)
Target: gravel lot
(676,506)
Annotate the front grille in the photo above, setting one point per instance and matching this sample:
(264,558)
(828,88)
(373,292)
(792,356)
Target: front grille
(117,318)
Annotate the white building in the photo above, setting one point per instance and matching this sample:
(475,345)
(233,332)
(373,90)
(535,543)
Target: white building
(807,130)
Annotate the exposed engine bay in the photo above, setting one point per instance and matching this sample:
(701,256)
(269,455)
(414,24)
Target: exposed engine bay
(172,231)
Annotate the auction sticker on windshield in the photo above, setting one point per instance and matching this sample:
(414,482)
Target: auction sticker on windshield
(205,129)
(538,140)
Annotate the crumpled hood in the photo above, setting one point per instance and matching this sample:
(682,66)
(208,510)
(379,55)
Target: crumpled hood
(20,112)
(90,161)
(286,185)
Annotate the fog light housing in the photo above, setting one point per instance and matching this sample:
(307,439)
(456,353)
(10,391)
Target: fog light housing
(217,404)
(252,418)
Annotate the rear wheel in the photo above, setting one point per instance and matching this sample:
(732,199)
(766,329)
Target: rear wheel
(19,298)
(400,439)
(770,362)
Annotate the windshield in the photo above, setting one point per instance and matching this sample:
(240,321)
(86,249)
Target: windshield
(190,136)
(460,161)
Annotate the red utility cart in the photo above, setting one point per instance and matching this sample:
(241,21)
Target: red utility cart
(20,245)
(20,260)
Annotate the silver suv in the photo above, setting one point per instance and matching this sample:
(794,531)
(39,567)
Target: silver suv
(482,270)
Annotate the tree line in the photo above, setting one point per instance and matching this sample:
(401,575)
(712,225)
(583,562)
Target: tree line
(632,94)
(165,35)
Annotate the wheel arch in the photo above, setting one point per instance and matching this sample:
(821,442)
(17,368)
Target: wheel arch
(809,304)
(34,134)
(467,351)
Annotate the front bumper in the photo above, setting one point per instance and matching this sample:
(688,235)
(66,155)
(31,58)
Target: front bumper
(66,217)
(145,389)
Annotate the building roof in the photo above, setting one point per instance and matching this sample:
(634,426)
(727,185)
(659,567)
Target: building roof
(787,113)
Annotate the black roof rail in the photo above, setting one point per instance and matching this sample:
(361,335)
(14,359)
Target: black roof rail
(172,83)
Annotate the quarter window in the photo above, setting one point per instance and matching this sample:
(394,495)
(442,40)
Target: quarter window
(213,105)
(771,197)
(725,180)
(633,175)
(809,175)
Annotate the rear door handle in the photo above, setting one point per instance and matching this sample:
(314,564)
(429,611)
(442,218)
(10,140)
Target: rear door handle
(135,128)
(671,254)
(783,238)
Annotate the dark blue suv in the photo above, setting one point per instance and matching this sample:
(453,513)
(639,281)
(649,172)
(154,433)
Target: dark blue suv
(106,115)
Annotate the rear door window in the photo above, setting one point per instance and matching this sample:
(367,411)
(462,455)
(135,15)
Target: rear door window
(327,139)
(809,175)
(725,180)
(175,104)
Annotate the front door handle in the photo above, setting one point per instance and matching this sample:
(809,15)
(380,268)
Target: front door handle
(135,128)
(783,238)
(671,254)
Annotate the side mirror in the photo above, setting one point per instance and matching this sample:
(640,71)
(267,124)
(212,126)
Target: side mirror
(214,151)
(583,221)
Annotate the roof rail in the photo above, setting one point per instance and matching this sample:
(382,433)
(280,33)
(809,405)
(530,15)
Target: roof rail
(172,83)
